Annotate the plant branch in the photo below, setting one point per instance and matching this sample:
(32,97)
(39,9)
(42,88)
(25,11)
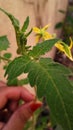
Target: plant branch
(5,59)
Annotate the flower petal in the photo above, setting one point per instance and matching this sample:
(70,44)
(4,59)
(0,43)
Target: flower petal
(59,46)
(47,36)
(46,27)
(71,43)
(37,38)
(65,49)
(36,30)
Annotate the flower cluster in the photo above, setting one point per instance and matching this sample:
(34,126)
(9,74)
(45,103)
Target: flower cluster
(41,33)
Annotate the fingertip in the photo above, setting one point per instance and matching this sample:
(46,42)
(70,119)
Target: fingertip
(27,95)
(35,105)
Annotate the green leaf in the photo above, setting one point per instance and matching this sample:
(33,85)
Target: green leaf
(17,66)
(27,34)
(62,11)
(25,25)
(7,55)
(69,20)
(42,48)
(14,21)
(51,81)
(23,81)
(13,82)
(4,43)
(34,69)
(17,82)
(59,25)
(4,67)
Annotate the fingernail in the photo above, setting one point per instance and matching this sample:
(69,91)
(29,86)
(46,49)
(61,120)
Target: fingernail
(35,105)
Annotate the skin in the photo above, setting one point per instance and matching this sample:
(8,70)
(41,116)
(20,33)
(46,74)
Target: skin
(12,115)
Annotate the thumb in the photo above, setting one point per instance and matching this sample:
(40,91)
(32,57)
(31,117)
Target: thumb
(20,117)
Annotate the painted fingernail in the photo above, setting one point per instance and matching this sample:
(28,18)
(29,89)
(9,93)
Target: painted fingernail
(34,106)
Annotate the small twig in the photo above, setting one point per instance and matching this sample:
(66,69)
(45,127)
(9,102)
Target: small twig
(5,59)
(33,117)
(35,89)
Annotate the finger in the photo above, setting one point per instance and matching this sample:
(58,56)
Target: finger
(2,84)
(12,105)
(1,125)
(14,93)
(6,113)
(20,117)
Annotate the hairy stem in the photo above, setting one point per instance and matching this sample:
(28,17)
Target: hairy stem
(5,59)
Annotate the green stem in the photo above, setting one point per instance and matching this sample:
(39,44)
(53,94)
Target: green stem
(33,122)
(34,116)
(6,59)
(35,89)
(0,55)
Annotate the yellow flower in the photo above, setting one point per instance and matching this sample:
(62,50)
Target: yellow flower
(42,33)
(65,48)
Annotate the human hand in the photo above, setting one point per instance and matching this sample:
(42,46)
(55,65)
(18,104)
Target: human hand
(13,116)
